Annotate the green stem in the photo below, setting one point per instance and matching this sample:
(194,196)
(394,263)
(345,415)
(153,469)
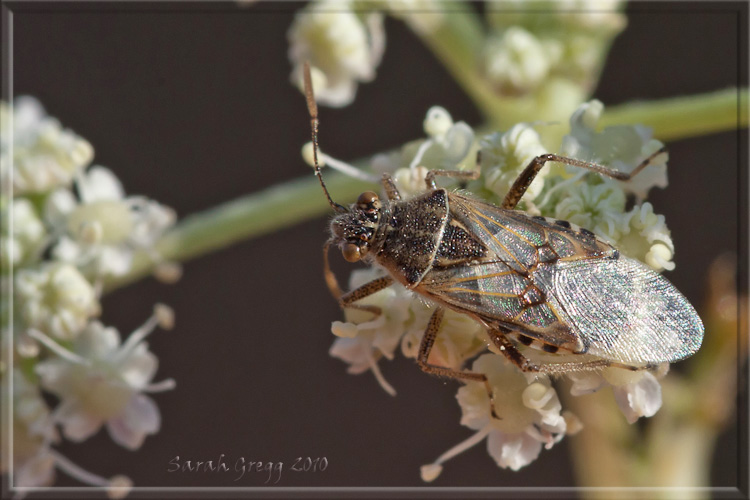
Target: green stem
(457,43)
(301,199)
(687,116)
(246,217)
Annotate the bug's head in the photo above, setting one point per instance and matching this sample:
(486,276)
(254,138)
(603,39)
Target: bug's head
(353,231)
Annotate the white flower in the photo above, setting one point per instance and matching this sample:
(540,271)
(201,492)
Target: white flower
(448,147)
(410,181)
(102,231)
(598,208)
(570,37)
(33,432)
(56,299)
(364,338)
(343,48)
(528,409)
(37,153)
(505,155)
(621,148)
(28,235)
(515,61)
(101,383)
(638,394)
(646,238)
(458,338)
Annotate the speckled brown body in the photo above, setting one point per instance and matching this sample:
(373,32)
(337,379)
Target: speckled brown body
(496,265)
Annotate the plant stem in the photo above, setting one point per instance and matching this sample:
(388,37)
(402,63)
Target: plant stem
(457,42)
(296,201)
(246,217)
(687,116)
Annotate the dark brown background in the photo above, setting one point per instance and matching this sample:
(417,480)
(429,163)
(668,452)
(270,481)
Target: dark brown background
(190,104)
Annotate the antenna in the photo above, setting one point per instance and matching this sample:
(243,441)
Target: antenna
(312,107)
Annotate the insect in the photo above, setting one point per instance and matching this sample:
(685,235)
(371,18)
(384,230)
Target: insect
(528,280)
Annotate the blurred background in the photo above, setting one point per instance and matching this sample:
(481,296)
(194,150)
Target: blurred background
(191,105)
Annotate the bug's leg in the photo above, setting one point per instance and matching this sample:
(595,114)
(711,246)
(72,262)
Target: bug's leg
(511,352)
(347,299)
(425,346)
(460,174)
(369,288)
(390,187)
(523,181)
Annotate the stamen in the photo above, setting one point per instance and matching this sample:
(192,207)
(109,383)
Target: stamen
(431,471)
(165,385)
(57,348)
(135,338)
(420,153)
(378,375)
(347,169)
(117,487)
(577,177)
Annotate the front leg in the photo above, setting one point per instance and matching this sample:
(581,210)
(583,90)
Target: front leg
(348,299)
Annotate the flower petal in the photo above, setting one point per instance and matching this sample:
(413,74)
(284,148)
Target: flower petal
(77,424)
(141,417)
(641,399)
(513,451)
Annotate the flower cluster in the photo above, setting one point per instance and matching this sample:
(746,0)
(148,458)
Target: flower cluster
(530,412)
(526,48)
(342,46)
(67,226)
(535,42)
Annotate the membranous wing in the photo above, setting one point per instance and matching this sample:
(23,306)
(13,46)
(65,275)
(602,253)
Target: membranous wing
(622,310)
(559,284)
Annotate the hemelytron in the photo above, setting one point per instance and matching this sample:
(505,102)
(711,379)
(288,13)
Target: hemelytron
(529,280)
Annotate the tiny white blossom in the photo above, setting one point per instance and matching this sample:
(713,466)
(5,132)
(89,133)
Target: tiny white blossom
(101,383)
(573,34)
(365,337)
(33,432)
(506,154)
(458,338)
(528,409)
(515,61)
(44,155)
(447,148)
(102,230)
(646,238)
(343,46)
(410,181)
(28,236)
(621,148)
(56,299)
(598,208)
(637,393)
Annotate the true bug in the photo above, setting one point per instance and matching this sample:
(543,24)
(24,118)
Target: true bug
(529,280)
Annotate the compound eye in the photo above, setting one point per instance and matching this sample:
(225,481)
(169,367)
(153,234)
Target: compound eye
(351,252)
(367,199)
